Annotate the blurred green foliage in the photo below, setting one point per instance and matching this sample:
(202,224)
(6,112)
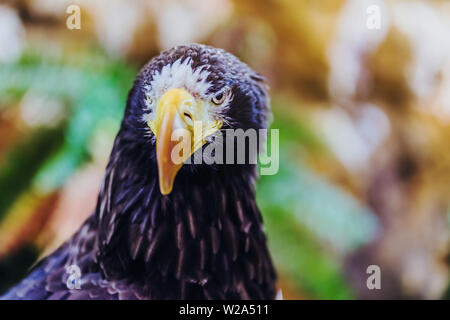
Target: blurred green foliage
(23,161)
(311,224)
(93,88)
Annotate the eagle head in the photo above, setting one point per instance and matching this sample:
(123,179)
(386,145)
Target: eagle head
(184,98)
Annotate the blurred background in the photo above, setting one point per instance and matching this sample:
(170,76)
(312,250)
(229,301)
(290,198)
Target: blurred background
(363,110)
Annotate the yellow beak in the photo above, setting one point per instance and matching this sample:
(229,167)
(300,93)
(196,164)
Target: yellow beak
(170,119)
(181,124)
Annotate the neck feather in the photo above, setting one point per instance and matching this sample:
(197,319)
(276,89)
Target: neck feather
(204,240)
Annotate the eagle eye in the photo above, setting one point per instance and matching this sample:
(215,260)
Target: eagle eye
(220,97)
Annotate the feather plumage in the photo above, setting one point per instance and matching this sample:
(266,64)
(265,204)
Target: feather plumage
(203,241)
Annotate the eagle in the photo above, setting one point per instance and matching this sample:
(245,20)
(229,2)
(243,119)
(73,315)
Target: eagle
(166,230)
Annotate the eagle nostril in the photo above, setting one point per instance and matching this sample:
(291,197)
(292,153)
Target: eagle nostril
(187,115)
(188,118)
